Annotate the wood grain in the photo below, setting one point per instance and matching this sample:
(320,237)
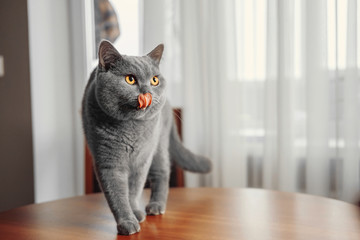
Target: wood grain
(177,174)
(192,213)
(89,171)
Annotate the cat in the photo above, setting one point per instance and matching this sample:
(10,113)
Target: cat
(130,130)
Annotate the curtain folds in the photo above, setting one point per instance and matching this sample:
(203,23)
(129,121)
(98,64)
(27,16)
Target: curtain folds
(271,93)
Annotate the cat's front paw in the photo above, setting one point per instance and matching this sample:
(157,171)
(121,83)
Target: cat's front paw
(140,215)
(128,227)
(155,208)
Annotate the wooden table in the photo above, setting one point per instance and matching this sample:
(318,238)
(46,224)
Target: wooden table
(192,213)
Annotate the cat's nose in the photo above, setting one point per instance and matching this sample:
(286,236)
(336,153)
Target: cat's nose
(144,100)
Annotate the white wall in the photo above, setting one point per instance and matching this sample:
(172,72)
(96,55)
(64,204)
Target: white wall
(56,158)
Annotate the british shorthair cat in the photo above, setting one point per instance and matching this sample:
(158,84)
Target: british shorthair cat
(130,130)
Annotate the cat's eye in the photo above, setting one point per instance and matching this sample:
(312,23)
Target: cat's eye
(155,81)
(130,79)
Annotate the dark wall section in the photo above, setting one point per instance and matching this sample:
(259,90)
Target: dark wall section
(16,154)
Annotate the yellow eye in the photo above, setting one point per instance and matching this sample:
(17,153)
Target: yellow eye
(155,81)
(130,79)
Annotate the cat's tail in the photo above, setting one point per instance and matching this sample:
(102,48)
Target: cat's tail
(186,159)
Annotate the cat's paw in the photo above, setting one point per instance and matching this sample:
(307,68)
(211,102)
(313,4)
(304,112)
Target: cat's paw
(128,227)
(155,208)
(140,215)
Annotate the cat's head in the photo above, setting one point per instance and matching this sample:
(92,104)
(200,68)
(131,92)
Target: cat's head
(129,87)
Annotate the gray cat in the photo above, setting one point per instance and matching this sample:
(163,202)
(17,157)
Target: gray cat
(130,131)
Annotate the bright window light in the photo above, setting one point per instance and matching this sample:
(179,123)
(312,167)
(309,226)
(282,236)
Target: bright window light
(251,38)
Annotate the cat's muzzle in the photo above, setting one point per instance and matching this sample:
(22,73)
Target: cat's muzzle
(144,100)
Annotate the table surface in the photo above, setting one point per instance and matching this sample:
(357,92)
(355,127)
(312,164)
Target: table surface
(192,213)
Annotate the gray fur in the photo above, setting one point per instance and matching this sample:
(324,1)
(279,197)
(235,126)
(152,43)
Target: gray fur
(130,144)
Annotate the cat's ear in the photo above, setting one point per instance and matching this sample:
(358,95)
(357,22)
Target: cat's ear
(107,54)
(157,53)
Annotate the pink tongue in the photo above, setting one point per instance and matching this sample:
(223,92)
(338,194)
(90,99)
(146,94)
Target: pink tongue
(144,100)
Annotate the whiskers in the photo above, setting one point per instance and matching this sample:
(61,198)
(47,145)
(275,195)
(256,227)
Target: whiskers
(176,113)
(156,100)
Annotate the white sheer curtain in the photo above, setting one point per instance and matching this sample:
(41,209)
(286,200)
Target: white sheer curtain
(271,93)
